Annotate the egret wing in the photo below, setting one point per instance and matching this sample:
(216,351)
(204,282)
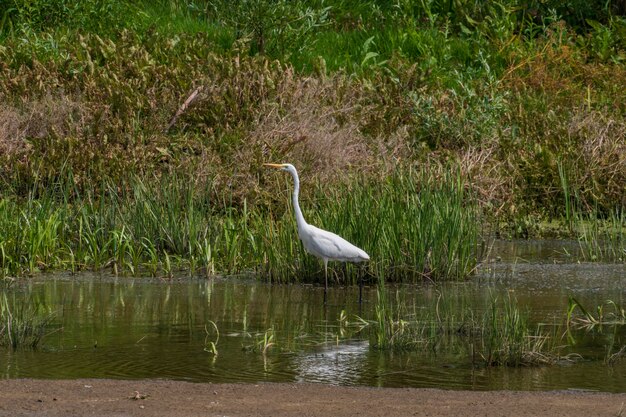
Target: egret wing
(328,245)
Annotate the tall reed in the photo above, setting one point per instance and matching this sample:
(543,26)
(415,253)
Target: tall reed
(413,226)
(601,235)
(602,238)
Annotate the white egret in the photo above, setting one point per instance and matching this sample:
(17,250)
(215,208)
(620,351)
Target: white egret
(321,243)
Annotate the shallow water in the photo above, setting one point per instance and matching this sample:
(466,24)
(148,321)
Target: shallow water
(105,327)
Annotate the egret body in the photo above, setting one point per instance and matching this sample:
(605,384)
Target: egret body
(321,243)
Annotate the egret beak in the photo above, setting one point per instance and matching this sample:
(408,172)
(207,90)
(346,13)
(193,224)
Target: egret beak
(275,165)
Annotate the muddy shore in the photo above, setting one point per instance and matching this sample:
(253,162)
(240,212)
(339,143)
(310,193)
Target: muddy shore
(26,397)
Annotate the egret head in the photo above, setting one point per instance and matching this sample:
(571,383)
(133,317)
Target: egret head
(282,167)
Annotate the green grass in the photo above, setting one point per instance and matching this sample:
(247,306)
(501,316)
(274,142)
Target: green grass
(412,227)
(498,335)
(602,239)
(601,236)
(508,338)
(608,314)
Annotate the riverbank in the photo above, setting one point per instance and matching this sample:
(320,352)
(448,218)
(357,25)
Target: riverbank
(135,134)
(530,115)
(24,397)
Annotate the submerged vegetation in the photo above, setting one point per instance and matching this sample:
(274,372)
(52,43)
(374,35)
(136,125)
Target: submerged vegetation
(497,334)
(132,133)
(22,325)
(257,325)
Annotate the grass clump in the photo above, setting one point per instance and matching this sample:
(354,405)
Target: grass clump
(609,313)
(21,324)
(603,239)
(499,336)
(508,338)
(601,236)
(606,322)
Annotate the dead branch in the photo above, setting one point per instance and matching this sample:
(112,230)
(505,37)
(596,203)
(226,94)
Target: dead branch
(183,107)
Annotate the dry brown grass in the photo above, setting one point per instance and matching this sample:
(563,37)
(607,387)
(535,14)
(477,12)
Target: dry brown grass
(601,163)
(491,184)
(31,128)
(38,119)
(316,123)
(311,127)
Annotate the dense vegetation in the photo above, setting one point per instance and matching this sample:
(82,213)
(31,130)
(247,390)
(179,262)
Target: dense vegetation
(519,102)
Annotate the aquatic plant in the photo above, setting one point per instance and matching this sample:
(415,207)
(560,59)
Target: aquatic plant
(508,339)
(167,226)
(262,342)
(22,325)
(603,239)
(606,322)
(499,336)
(601,236)
(210,346)
(608,313)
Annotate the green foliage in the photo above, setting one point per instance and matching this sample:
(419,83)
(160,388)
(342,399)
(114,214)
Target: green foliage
(518,94)
(576,13)
(99,16)
(276,27)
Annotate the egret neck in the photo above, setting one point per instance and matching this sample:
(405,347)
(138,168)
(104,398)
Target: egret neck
(296,206)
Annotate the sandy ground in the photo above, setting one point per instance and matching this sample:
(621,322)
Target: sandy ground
(25,397)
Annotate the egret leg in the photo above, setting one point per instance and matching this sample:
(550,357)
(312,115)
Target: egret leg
(360,287)
(325,279)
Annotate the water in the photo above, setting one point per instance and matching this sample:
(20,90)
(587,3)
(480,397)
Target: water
(106,327)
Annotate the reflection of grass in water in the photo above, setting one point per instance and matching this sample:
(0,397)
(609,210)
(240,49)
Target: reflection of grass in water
(22,324)
(276,319)
(607,319)
(613,358)
(487,332)
(210,346)
(301,336)
(608,313)
(501,335)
